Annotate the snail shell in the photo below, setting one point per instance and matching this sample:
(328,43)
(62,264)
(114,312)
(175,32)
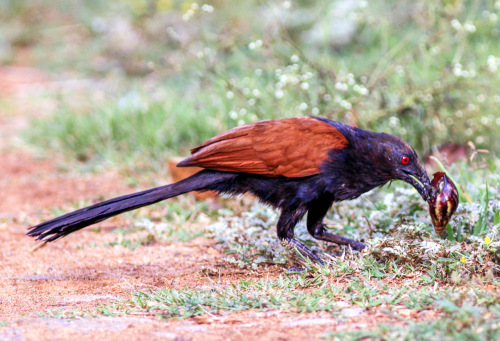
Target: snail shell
(443,203)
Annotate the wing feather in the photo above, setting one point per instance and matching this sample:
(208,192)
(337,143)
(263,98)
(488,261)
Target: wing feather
(290,147)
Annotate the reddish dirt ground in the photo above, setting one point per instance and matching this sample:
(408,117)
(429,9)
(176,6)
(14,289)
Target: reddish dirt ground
(70,274)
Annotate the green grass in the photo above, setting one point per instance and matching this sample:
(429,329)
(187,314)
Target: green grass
(447,328)
(461,311)
(137,126)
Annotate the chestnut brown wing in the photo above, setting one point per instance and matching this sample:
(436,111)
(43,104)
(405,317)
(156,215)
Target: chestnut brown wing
(290,147)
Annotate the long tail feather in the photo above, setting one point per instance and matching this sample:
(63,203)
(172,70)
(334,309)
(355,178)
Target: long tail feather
(74,221)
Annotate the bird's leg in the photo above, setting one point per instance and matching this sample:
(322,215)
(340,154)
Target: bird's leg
(316,212)
(286,223)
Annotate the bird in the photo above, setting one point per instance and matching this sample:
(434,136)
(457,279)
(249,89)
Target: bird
(298,165)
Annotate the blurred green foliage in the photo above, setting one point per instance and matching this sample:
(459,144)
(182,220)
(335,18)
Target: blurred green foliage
(423,70)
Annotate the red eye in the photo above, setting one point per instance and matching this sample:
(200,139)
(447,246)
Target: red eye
(405,160)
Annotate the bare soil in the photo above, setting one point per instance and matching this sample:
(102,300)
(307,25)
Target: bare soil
(70,273)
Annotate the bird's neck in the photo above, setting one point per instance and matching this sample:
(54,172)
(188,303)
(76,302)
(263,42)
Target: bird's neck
(357,167)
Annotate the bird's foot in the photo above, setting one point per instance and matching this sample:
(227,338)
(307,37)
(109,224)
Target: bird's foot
(305,251)
(339,240)
(357,246)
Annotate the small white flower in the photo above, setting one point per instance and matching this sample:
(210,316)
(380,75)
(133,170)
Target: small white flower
(434,50)
(389,199)
(279,93)
(287,4)
(256,92)
(207,8)
(229,94)
(258,43)
(456,24)
(493,63)
(341,86)
(315,111)
(393,121)
(493,17)
(360,89)
(304,86)
(303,106)
(457,70)
(497,5)
(251,101)
(346,105)
(251,46)
(469,27)
(350,80)
(294,58)
(258,72)
(233,114)
(243,112)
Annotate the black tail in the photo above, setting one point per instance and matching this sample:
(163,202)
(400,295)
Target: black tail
(74,221)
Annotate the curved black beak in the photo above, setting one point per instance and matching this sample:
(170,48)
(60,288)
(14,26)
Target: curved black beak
(420,180)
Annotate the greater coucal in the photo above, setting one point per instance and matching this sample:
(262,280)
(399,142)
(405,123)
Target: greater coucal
(298,165)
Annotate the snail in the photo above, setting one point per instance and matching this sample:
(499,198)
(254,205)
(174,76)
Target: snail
(443,202)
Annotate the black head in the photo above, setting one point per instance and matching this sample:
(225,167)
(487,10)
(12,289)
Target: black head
(401,162)
(382,158)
